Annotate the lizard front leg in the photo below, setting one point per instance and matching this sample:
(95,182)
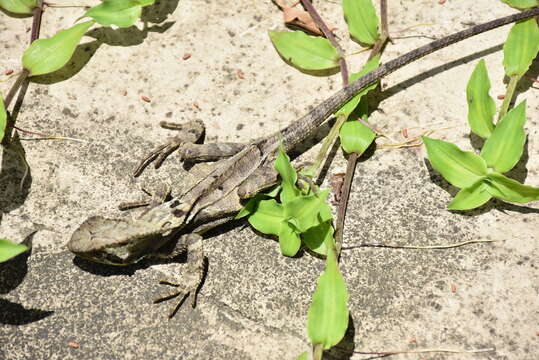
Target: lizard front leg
(192,278)
(189,132)
(186,143)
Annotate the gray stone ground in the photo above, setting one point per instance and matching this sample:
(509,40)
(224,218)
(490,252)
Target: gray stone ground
(254,301)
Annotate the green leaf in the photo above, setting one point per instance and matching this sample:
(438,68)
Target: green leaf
(508,189)
(471,197)
(47,55)
(304,51)
(19,6)
(122,13)
(362,20)
(9,249)
(521,4)
(481,107)
(3,118)
(521,47)
(327,319)
(460,168)
(371,65)
(308,211)
(288,176)
(289,240)
(355,137)
(316,237)
(504,147)
(303,356)
(268,217)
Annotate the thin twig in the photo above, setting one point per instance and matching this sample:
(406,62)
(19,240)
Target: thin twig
(417,247)
(386,353)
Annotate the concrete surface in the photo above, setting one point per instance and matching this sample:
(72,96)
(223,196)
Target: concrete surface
(254,301)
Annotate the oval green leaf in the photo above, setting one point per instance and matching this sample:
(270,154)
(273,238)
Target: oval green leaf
(362,20)
(470,197)
(327,319)
(122,13)
(304,51)
(289,240)
(3,118)
(481,107)
(508,189)
(521,47)
(504,147)
(521,4)
(19,6)
(9,249)
(267,217)
(371,65)
(47,55)
(460,168)
(355,137)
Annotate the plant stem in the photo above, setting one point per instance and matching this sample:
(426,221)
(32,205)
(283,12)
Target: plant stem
(329,35)
(15,87)
(313,170)
(509,94)
(352,158)
(23,76)
(330,138)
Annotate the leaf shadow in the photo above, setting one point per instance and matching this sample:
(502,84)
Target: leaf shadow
(520,171)
(344,350)
(476,141)
(13,271)
(15,172)
(15,314)
(131,36)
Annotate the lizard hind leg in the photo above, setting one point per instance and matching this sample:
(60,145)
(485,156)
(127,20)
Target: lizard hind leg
(193,276)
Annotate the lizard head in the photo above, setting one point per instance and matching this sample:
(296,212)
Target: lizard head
(115,241)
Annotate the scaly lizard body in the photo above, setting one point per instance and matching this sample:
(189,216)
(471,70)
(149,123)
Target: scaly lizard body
(216,197)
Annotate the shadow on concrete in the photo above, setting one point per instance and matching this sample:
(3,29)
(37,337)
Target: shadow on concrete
(15,314)
(15,173)
(13,272)
(435,71)
(344,350)
(130,36)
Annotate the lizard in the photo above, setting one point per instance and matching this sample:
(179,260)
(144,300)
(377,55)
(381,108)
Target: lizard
(171,227)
